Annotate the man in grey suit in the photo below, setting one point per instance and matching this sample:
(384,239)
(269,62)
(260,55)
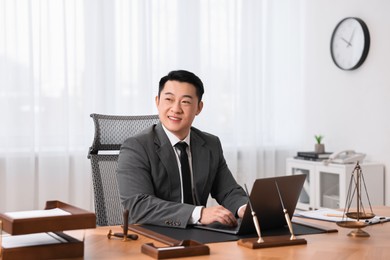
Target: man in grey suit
(152,178)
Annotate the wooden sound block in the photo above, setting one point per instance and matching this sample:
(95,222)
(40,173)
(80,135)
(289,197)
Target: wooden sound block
(273,241)
(184,249)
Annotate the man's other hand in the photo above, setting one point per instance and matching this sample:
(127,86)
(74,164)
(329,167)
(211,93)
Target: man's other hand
(219,214)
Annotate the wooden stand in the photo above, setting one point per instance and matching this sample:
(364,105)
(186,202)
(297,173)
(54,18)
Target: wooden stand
(271,242)
(260,242)
(52,226)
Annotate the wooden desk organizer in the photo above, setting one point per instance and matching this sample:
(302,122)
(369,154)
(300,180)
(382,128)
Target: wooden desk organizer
(78,219)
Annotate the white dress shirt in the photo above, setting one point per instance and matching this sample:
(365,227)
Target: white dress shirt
(174,140)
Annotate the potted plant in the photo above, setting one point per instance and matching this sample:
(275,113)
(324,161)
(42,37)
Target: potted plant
(319,146)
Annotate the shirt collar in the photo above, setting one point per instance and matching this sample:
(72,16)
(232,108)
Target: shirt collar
(173,138)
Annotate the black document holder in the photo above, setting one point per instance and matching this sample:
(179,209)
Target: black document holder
(206,236)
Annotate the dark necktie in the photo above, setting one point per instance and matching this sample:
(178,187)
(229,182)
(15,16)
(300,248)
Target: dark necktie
(185,173)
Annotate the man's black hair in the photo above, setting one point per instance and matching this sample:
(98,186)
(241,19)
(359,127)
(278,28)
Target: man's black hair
(183,76)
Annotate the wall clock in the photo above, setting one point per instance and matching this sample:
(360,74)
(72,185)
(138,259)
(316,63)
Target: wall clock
(350,43)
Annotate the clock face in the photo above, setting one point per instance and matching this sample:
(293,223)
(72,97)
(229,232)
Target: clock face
(350,43)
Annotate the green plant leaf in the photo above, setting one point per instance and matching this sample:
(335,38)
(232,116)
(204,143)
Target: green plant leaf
(319,138)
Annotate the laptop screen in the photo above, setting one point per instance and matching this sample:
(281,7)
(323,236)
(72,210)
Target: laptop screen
(266,204)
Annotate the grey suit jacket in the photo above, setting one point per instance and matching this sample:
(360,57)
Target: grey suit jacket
(149,181)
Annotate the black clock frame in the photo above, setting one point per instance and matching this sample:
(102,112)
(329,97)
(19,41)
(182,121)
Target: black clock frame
(366,44)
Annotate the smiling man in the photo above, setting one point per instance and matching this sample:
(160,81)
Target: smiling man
(166,173)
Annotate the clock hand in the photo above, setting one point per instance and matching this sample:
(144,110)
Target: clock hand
(347,42)
(350,39)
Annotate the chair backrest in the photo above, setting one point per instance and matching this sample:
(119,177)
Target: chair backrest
(110,132)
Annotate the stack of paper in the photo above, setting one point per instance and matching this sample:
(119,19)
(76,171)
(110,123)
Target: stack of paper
(37,213)
(32,240)
(336,215)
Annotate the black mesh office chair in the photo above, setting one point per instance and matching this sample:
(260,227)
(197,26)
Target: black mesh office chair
(110,132)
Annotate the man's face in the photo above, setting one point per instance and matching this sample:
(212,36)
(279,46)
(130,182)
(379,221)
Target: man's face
(177,107)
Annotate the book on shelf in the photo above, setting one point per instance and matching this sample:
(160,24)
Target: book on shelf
(314,155)
(310,159)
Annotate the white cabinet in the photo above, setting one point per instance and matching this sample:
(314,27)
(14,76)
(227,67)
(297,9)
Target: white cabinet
(326,186)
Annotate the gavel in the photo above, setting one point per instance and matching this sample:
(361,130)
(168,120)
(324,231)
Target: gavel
(125,234)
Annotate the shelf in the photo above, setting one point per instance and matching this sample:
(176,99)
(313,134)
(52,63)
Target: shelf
(77,219)
(39,234)
(326,186)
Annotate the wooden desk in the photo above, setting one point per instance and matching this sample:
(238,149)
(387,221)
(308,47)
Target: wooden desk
(330,246)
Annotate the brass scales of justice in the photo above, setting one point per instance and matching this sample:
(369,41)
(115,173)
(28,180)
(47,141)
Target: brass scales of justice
(356,219)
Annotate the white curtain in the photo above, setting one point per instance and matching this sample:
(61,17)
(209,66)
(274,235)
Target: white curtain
(61,60)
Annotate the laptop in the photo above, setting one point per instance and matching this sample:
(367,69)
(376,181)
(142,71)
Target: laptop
(266,203)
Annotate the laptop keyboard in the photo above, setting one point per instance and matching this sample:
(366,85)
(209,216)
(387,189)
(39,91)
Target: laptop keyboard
(218,225)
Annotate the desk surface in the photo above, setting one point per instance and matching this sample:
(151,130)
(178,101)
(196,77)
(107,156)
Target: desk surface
(321,246)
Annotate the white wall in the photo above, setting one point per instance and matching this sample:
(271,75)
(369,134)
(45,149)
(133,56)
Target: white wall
(349,107)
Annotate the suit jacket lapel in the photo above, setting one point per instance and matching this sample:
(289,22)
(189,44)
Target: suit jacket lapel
(168,159)
(200,163)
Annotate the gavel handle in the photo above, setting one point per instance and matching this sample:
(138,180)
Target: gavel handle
(125,222)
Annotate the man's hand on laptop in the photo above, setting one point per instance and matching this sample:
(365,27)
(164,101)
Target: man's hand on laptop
(217,214)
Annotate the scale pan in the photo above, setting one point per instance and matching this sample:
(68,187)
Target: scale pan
(360,215)
(352,224)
